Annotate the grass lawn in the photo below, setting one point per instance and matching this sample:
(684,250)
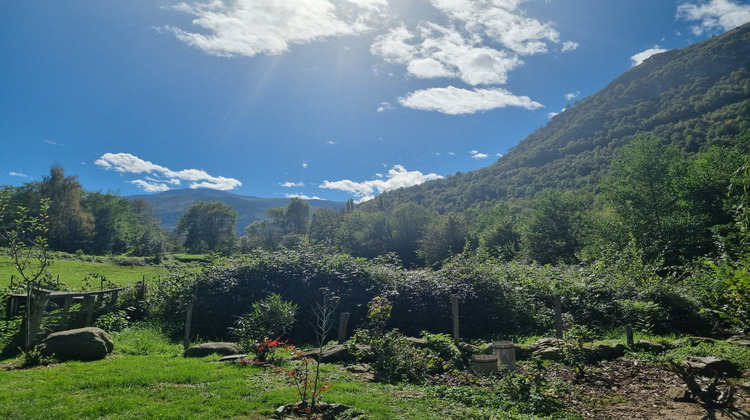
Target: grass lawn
(74,273)
(147,377)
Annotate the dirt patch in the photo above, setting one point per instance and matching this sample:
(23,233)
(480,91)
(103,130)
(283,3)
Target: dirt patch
(628,389)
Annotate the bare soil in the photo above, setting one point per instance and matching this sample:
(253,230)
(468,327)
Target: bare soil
(629,389)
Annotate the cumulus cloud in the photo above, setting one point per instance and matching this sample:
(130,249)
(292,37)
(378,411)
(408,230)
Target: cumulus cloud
(302,196)
(292,184)
(714,15)
(455,101)
(250,27)
(397,177)
(480,44)
(476,41)
(643,55)
(159,178)
(476,155)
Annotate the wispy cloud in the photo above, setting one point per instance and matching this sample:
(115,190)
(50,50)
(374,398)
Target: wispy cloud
(714,15)
(51,142)
(455,101)
(160,178)
(643,55)
(572,95)
(397,177)
(18,174)
(247,28)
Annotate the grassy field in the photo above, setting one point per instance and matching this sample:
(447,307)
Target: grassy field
(78,274)
(147,377)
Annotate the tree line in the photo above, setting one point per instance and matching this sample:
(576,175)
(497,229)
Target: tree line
(87,222)
(655,200)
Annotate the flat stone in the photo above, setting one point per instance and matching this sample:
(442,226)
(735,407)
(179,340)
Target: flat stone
(206,349)
(650,346)
(710,366)
(740,340)
(342,353)
(233,358)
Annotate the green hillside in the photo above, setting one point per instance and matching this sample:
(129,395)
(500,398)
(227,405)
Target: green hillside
(694,97)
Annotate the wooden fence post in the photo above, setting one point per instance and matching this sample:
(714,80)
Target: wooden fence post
(35,313)
(558,317)
(343,322)
(454,307)
(188,321)
(629,335)
(89,304)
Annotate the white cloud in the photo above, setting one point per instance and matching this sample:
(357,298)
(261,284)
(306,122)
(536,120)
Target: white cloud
(480,44)
(18,174)
(304,165)
(445,52)
(292,184)
(715,15)
(385,106)
(569,46)
(159,176)
(572,95)
(455,101)
(304,197)
(51,142)
(643,55)
(397,177)
(150,186)
(251,27)
(476,155)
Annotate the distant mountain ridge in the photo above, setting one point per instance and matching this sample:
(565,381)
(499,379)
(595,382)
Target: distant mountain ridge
(169,205)
(692,97)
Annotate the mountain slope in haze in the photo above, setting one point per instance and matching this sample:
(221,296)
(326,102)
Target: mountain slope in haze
(169,205)
(693,97)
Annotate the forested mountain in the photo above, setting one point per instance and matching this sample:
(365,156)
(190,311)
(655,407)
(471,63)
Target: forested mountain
(170,205)
(693,98)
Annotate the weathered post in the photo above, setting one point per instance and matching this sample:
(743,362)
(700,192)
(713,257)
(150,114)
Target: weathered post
(188,321)
(343,321)
(558,317)
(89,306)
(35,309)
(629,335)
(454,305)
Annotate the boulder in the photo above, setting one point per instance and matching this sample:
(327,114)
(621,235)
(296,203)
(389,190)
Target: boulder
(206,349)
(548,348)
(650,346)
(610,351)
(342,353)
(419,343)
(84,344)
(710,366)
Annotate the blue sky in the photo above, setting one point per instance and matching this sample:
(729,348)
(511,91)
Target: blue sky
(334,99)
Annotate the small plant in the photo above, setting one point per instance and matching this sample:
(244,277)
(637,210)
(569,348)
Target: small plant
(33,357)
(270,319)
(574,352)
